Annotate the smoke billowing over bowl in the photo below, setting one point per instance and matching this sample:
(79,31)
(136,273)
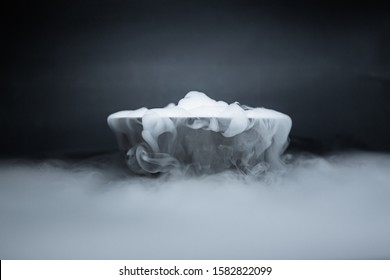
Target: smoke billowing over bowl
(201,135)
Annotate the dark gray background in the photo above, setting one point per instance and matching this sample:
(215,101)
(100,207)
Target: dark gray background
(68,64)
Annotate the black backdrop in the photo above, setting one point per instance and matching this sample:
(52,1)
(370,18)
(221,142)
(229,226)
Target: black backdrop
(68,64)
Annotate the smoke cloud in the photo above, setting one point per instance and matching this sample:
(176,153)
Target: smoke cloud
(334,207)
(202,135)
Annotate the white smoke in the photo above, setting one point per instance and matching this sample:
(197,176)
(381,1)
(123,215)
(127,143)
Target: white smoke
(320,208)
(201,135)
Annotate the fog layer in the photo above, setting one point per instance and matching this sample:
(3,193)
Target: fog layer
(320,208)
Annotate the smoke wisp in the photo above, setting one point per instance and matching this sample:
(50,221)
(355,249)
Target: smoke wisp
(320,208)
